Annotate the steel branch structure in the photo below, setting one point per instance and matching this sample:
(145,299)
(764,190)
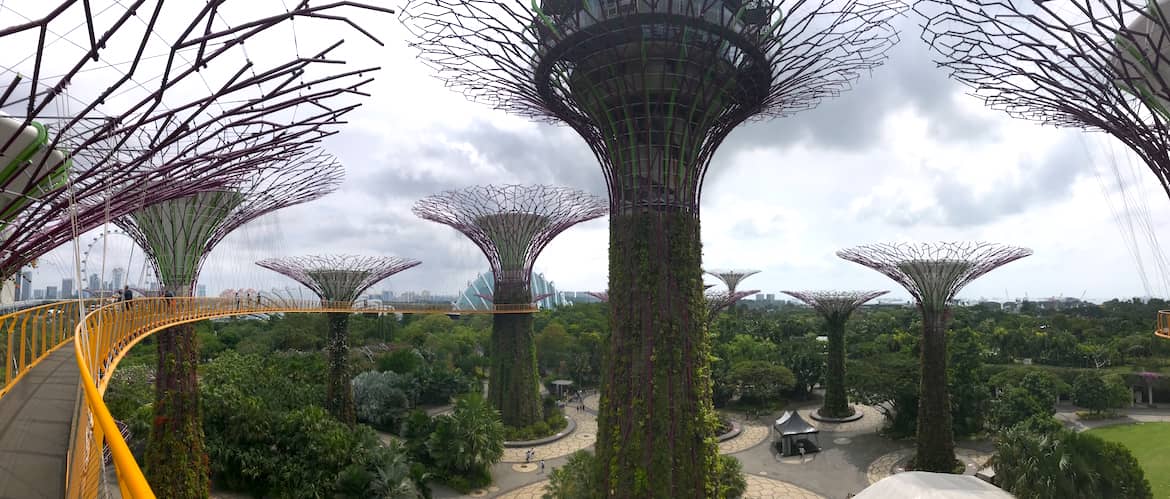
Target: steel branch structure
(1100,65)
(177,236)
(835,307)
(512,224)
(84,130)
(933,273)
(602,296)
(722,300)
(339,279)
(653,87)
(732,278)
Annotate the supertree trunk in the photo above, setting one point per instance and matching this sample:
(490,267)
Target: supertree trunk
(514,389)
(339,392)
(656,416)
(836,403)
(176,462)
(936,440)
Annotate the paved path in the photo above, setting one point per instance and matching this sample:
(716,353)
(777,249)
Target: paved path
(758,487)
(1127,416)
(35,420)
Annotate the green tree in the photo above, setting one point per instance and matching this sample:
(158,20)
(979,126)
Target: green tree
(968,388)
(577,479)
(1066,465)
(729,481)
(469,441)
(554,348)
(805,358)
(761,382)
(1097,394)
(1015,406)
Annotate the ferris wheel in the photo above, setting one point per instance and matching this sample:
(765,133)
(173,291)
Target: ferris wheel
(114,258)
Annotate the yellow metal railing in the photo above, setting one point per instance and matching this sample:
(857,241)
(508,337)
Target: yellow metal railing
(1163,330)
(27,336)
(111,330)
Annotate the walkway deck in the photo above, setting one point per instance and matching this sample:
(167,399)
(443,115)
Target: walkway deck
(35,420)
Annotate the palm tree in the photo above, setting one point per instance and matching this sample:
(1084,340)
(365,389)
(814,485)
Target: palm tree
(1066,465)
(470,440)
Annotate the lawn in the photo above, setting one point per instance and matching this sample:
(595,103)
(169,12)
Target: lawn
(1150,444)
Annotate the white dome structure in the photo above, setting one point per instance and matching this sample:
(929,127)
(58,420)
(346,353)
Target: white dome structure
(478,295)
(923,485)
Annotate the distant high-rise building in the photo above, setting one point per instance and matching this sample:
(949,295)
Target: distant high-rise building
(201,290)
(50,292)
(26,290)
(66,288)
(119,275)
(95,282)
(38,294)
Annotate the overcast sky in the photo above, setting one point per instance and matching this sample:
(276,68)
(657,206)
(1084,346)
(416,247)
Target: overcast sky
(904,156)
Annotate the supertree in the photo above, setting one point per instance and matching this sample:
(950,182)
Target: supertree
(732,278)
(512,224)
(835,307)
(95,133)
(653,86)
(1075,63)
(719,301)
(176,236)
(933,273)
(339,279)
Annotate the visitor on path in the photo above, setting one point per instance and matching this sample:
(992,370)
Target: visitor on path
(170,298)
(127,296)
(237,300)
(542,465)
(528,456)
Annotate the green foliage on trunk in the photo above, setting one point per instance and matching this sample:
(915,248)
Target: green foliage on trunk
(338,391)
(836,403)
(656,423)
(935,437)
(514,387)
(176,463)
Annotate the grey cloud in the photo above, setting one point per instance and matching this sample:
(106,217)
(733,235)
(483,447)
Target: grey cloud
(852,121)
(957,204)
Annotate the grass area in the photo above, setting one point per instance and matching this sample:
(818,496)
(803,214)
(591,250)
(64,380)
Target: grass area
(1150,444)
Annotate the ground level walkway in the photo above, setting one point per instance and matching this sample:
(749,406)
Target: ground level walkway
(1068,416)
(35,421)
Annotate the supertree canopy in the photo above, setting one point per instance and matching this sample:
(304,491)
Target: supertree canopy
(933,273)
(107,108)
(653,86)
(602,296)
(177,236)
(719,301)
(835,307)
(1073,63)
(339,279)
(512,224)
(732,278)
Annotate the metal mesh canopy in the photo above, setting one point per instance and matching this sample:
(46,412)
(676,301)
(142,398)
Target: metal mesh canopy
(178,234)
(732,278)
(934,272)
(654,86)
(722,300)
(146,101)
(1073,63)
(600,295)
(835,304)
(511,224)
(338,278)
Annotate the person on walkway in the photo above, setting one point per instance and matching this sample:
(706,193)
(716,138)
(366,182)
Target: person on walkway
(528,456)
(127,296)
(542,465)
(237,300)
(170,298)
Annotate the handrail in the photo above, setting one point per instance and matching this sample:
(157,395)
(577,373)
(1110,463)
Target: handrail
(108,333)
(29,335)
(1163,330)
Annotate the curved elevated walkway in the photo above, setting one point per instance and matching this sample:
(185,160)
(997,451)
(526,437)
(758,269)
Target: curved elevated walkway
(36,418)
(55,368)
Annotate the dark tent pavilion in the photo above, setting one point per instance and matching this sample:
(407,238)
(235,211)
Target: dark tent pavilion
(795,435)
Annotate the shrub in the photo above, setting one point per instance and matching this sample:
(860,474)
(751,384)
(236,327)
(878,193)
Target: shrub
(729,481)
(383,399)
(467,442)
(402,361)
(1098,394)
(760,381)
(577,479)
(1068,465)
